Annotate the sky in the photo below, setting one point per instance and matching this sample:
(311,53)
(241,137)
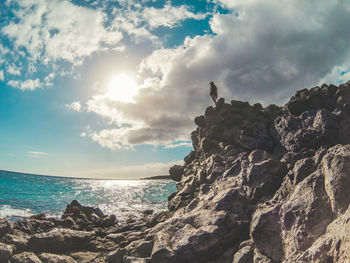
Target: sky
(109,89)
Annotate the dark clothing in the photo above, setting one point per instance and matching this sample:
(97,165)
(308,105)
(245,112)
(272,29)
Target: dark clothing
(213,90)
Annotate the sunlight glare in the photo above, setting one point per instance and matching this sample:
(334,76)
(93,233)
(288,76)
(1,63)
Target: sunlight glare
(122,88)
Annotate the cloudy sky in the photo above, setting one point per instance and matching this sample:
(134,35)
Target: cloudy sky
(109,89)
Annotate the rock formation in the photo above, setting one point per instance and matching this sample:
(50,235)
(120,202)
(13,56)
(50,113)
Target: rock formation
(262,185)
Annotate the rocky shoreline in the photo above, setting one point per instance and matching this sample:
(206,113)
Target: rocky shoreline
(262,185)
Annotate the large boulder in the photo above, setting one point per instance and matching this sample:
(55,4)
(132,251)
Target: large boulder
(19,241)
(266,232)
(5,227)
(5,252)
(52,241)
(314,98)
(176,172)
(336,169)
(85,217)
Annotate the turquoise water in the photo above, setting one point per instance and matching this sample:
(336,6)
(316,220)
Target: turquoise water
(26,194)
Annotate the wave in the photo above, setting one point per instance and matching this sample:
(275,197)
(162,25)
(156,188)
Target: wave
(7,211)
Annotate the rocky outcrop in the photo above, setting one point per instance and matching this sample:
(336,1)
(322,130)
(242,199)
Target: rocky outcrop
(279,175)
(262,185)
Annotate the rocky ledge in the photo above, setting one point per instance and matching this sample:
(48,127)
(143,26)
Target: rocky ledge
(262,185)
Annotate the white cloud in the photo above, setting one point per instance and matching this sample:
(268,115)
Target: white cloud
(339,74)
(2,78)
(3,50)
(36,154)
(144,122)
(74,106)
(13,70)
(113,139)
(139,22)
(129,22)
(175,145)
(28,84)
(169,16)
(48,79)
(59,30)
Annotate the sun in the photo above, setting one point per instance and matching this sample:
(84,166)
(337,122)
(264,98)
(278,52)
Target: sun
(122,87)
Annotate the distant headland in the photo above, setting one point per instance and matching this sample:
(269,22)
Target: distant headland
(158,177)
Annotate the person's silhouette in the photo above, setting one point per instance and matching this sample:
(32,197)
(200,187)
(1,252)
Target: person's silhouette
(213,92)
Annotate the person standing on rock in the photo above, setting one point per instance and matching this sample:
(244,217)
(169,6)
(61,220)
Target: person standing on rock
(213,92)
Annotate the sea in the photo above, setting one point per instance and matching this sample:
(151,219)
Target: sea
(23,195)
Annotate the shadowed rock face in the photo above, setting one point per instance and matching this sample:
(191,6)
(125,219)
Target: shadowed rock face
(288,168)
(261,185)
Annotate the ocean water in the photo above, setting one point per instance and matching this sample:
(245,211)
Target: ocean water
(26,194)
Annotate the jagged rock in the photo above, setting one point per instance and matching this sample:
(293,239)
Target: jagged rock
(5,252)
(52,241)
(40,216)
(25,257)
(5,227)
(116,256)
(333,245)
(137,260)
(209,112)
(140,248)
(109,221)
(34,225)
(190,157)
(200,121)
(100,244)
(117,238)
(84,217)
(158,218)
(301,222)
(58,240)
(314,98)
(303,168)
(176,172)
(336,168)
(74,239)
(245,254)
(237,124)
(266,232)
(53,258)
(87,256)
(19,241)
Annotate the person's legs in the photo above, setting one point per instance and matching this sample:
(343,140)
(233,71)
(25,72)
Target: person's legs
(214,98)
